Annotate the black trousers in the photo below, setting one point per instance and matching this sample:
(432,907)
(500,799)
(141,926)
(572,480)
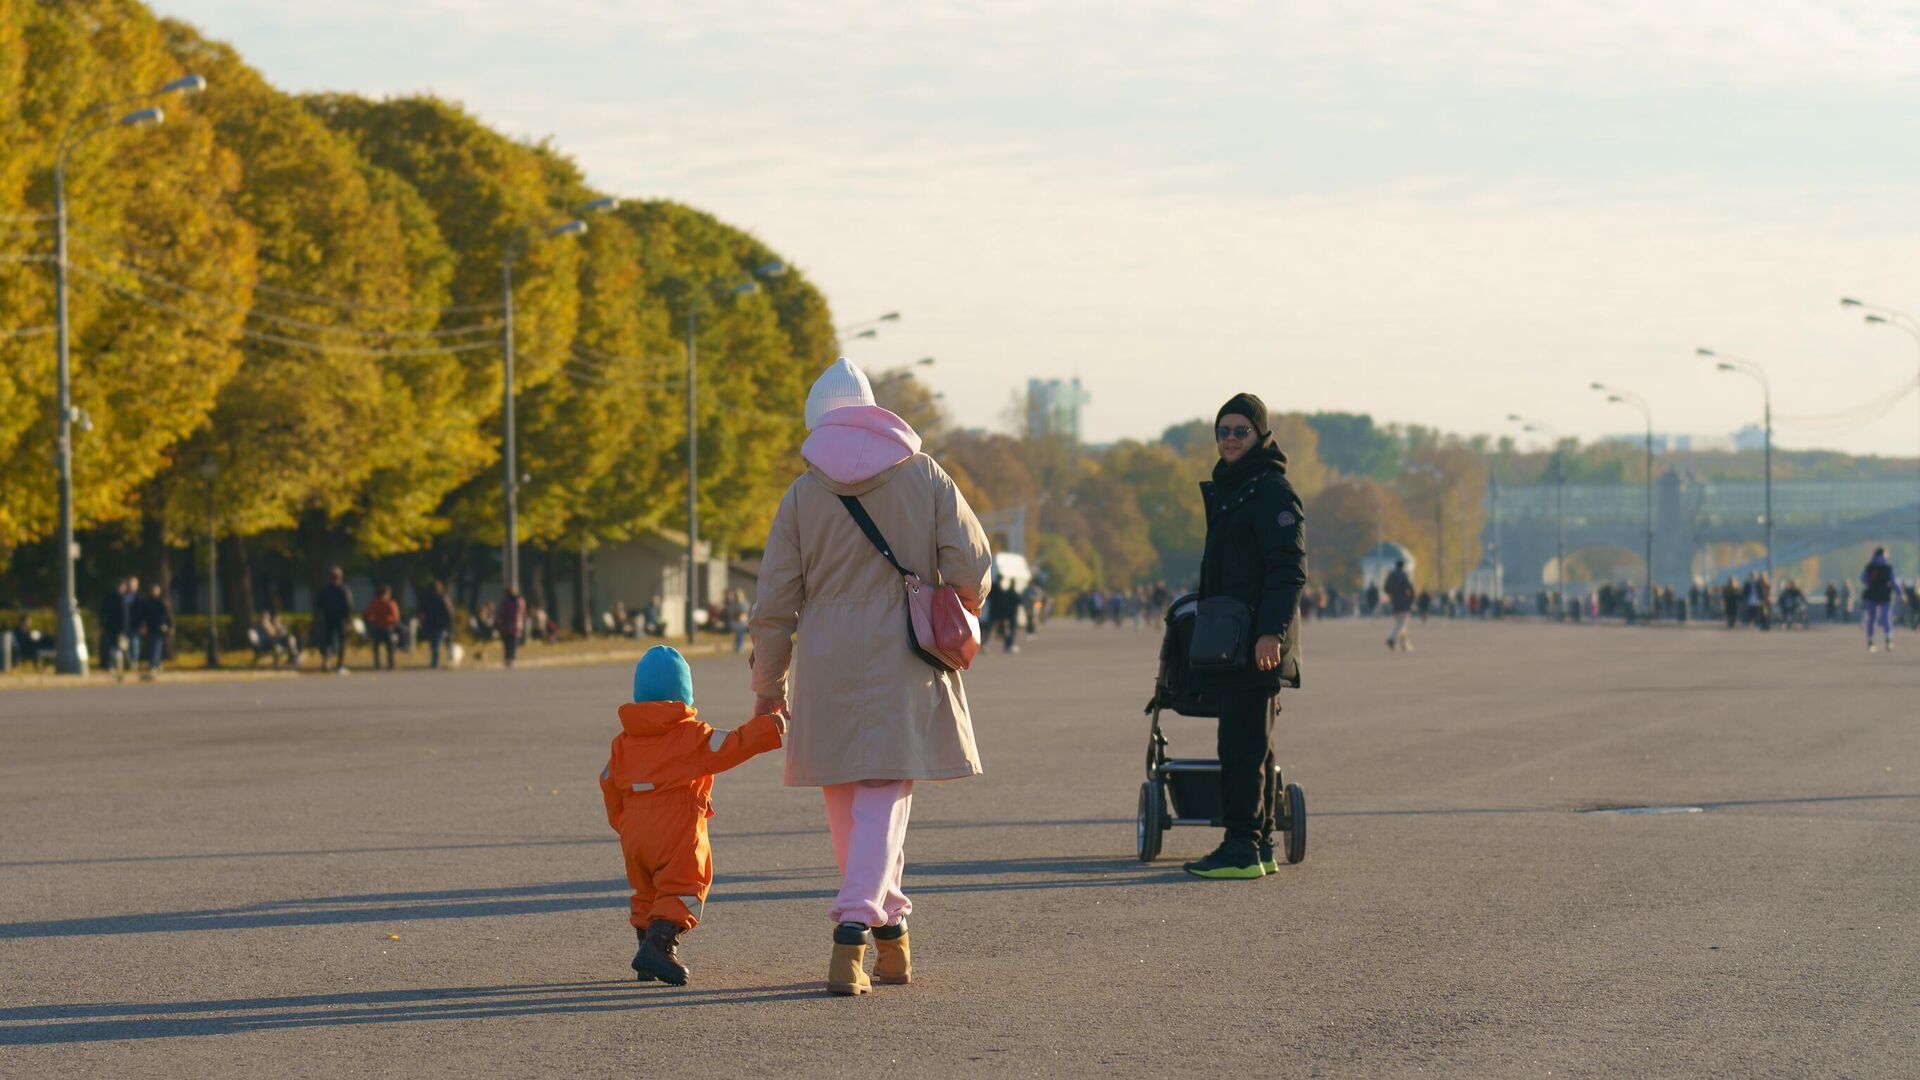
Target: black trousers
(1247,795)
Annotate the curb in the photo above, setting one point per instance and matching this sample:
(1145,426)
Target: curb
(240,675)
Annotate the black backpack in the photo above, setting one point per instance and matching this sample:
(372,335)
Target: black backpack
(1175,689)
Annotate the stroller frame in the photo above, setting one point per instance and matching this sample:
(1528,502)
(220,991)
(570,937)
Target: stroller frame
(1186,791)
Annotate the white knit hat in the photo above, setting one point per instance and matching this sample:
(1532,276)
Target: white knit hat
(839,386)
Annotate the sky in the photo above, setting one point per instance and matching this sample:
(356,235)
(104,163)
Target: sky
(1438,213)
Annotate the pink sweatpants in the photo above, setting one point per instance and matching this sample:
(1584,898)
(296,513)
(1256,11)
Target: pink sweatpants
(869,823)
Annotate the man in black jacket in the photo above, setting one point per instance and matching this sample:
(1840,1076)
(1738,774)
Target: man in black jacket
(1256,553)
(113,625)
(436,619)
(153,618)
(334,605)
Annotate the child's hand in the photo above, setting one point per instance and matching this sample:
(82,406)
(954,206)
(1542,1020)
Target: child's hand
(780,723)
(768,706)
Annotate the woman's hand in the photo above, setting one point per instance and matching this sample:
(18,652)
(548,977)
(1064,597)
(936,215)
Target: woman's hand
(770,706)
(1266,652)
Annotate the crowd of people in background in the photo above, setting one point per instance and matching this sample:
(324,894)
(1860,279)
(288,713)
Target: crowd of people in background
(1878,596)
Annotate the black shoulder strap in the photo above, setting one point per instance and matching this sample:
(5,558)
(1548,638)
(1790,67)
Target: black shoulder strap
(860,518)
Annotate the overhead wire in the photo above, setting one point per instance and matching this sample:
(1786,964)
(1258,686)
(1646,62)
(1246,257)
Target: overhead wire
(295,294)
(252,312)
(276,339)
(1865,412)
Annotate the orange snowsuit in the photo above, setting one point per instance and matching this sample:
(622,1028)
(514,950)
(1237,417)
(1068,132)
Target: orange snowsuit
(658,786)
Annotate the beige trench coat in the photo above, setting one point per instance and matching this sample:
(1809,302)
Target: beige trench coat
(832,617)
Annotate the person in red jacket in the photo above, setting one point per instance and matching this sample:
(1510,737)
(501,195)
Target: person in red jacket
(658,787)
(383,624)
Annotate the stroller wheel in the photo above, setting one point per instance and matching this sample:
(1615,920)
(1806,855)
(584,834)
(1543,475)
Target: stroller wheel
(1150,824)
(1296,823)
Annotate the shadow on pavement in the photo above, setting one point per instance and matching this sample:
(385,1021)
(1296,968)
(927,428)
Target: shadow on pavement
(562,842)
(114,1021)
(996,875)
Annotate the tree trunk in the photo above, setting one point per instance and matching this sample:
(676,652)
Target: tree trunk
(549,583)
(582,608)
(236,591)
(156,563)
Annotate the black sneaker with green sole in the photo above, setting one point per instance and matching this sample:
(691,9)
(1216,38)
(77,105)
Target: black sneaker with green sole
(1267,863)
(1233,859)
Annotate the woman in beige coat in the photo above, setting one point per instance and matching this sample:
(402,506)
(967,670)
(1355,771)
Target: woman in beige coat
(868,716)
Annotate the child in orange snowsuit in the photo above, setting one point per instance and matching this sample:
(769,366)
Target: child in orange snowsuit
(658,786)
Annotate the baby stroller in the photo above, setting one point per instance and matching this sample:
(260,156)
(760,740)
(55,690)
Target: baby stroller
(1186,791)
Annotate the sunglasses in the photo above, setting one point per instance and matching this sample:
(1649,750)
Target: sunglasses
(1238,431)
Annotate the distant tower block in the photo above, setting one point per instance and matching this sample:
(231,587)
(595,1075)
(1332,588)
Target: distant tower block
(1053,407)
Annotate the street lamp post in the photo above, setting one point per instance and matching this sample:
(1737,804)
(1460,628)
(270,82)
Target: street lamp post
(751,285)
(1626,397)
(1883,316)
(210,472)
(1742,366)
(509,449)
(1559,505)
(69,652)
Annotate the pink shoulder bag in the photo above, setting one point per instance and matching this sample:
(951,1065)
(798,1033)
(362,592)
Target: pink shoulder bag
(940,629)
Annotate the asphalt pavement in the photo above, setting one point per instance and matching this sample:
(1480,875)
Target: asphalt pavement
(411,874)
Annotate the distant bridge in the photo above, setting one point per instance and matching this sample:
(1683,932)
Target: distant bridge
(1811,517)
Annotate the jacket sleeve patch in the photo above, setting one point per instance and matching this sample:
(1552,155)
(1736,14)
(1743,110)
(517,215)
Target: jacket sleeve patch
(1287,519)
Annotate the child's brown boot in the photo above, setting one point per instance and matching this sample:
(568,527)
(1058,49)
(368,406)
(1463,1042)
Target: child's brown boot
(847,972)
(658,956)
(892,962)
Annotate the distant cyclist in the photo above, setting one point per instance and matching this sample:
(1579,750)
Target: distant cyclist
(1877,585)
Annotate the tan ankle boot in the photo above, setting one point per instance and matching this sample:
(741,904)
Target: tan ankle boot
(846,973)
(893,961)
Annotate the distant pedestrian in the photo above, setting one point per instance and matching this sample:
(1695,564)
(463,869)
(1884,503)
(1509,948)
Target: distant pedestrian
(736,612)
(1730,600)
(334,606)
(113,627)
(1877,586)
(383,623)
(153,618)
(436,620)
(1400,594)
(1003,614)
(509,618)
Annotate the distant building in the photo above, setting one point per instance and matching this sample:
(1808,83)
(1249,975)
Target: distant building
(1752,437)
(1053,407)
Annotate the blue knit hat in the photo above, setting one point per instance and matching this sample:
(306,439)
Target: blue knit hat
(662,675)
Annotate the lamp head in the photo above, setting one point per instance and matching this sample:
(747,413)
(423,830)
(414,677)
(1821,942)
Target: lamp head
(187,85)
(891,316)
(1877,319)
(1725,367)
(744,288)
(772,269)
(925,361)
(576,227)
(1703,351)
(1616,399)
(1514,417)
(143,117)
(601,205)
(1597,386)
(1848,301)
(867,333)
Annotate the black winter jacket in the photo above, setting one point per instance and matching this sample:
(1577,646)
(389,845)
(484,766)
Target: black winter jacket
(1257,553)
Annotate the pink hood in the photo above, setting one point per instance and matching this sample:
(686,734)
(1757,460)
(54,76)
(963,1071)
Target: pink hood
(858,442)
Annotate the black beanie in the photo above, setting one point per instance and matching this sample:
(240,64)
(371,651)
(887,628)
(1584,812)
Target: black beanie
(1249,406)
